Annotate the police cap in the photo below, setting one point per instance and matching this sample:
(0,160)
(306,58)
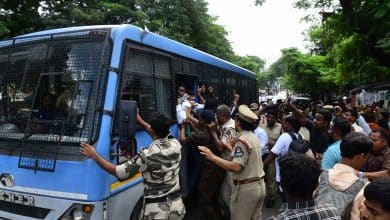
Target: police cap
(246,114)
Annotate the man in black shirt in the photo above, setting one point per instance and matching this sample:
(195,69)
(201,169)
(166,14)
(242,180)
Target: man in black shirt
(319,129)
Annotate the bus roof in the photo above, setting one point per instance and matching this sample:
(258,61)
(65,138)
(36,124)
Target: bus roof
(139,35)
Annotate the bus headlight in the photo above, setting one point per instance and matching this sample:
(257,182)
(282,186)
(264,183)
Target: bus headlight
(78,212)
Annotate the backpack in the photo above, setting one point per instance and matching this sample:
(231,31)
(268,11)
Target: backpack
(328,195)
(298,145)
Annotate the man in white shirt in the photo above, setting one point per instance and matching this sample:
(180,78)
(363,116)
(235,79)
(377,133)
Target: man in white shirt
(281,147)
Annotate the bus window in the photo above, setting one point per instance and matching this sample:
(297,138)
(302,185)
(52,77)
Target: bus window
(50,87)
(147,79)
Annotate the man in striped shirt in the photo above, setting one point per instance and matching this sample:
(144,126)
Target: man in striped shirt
(299,178)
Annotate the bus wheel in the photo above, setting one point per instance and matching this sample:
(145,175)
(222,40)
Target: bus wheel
(136,214)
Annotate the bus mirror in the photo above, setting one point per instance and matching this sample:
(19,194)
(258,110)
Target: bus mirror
(127,119)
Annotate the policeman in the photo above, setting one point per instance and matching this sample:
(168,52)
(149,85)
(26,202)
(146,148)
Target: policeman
(159,165)
(246,166)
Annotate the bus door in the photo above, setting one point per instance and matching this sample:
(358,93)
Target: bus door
(147,79)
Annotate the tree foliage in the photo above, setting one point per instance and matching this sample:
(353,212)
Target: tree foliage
(186,21)
(303,73)
(352,37)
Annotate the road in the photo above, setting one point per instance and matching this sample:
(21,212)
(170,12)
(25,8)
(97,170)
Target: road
(194,212)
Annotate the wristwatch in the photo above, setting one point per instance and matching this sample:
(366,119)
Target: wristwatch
(361,175)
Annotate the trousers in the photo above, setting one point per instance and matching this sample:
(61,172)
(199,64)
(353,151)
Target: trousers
(247,201)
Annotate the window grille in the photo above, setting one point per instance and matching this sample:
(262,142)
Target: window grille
(147,79)
(50,87)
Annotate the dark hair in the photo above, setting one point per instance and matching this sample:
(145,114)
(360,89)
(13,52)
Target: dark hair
(189,92)
(353,112)
(369,117)
(327,115)
(385,115)
(355,143)
(296,180)
(379,190)
(246,125)
(211,104)
(207,115)
(384,134)
(342,125)
(294,122)
(383,124)
(160,125)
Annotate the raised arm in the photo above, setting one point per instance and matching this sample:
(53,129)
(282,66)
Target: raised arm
(201,89)
(298,114)
(144,124)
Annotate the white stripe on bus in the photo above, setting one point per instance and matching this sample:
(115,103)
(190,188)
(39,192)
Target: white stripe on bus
(43,192)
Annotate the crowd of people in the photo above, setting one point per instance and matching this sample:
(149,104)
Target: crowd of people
(324,162)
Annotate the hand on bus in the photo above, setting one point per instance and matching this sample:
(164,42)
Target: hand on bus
(205,151)
(88,151)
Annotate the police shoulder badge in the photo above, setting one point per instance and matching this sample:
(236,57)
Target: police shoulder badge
(238,152)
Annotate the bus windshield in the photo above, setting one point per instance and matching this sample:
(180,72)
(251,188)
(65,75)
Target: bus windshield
(50,88)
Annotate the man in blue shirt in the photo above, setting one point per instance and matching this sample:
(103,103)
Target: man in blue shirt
(332,155)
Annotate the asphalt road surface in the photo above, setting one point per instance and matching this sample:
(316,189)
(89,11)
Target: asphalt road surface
(194,212)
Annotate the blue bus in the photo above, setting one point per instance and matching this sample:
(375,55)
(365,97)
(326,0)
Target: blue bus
(64,86)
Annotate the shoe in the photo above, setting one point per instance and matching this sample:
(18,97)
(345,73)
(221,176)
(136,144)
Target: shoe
(283,207)
(270,203)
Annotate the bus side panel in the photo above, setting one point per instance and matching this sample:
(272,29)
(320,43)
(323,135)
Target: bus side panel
(56,207)
(121,205)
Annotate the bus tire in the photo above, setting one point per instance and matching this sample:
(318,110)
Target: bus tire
(136,214)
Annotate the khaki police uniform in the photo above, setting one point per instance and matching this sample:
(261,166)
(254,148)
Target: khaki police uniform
(159,165)
(270,183)
(249,189)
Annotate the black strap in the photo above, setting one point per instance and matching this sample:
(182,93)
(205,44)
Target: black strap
(292,134)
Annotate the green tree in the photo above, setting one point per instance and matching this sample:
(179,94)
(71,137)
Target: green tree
(303,73)
(186,21)
(18,17)
(354,38)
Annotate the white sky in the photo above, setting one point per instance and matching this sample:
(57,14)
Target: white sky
(260,30)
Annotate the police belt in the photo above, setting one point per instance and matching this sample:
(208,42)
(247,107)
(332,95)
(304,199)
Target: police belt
(171,196)
(245,181)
